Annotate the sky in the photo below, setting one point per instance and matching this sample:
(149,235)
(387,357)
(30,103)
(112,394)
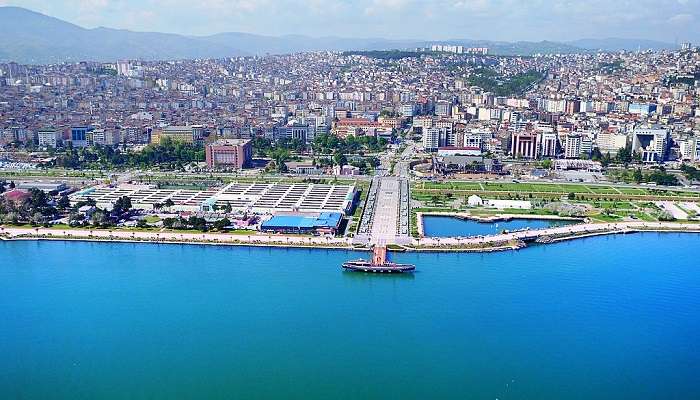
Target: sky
(510,20)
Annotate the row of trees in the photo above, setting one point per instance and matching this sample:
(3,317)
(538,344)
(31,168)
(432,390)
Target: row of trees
(322,144)
(100,218)
(173,154)
(690,172)
(657,175)
(195,223)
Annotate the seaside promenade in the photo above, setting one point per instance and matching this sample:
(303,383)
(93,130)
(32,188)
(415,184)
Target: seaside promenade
(504,241)
(554,234)
(175,237)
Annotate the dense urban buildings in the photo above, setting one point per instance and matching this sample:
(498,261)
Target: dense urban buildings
(549,106)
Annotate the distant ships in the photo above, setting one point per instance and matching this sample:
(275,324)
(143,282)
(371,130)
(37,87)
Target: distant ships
(379,264)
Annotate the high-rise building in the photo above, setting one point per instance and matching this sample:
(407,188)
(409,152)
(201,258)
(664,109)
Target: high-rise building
(572,145)
(183,134)
(548,144)
(229,153)
(524,145)
(609,142)
(443,108)
(408,110)
(80,136)
(48,137)
(650,144)
(434,138)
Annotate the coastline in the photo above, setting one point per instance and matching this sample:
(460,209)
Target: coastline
(480,244)
(487,219)
(498,217)
(221,239)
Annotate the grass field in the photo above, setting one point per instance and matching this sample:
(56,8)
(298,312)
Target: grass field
(547,190)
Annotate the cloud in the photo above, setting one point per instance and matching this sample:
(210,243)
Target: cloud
(380,6)
(681,19)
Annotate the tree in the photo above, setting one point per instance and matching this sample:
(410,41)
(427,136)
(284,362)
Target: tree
(63,202)
(122,205)
(280,156)
(339,158)
(74,218)
(221,224)
(624,155)
(37,218)
(169,203)
(98,218)
(637,175)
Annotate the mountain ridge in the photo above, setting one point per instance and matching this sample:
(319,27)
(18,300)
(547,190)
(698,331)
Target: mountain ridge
(30,37)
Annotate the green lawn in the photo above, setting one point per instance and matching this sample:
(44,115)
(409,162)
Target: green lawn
(548,189)
(602,190)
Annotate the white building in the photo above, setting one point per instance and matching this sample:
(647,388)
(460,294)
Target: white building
(475,201)
(609,142)
(443,108)
(548,144)
(48,138)
(651,144)
(572,145)
(434,138)
(408,110)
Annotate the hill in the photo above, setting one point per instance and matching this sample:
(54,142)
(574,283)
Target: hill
(29,37)
(618,44)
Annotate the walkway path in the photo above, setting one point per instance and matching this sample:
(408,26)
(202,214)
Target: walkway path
(386,212)
(455,243)
(223,238)
(569,230)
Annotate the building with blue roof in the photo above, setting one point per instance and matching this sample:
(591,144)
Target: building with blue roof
(325,222)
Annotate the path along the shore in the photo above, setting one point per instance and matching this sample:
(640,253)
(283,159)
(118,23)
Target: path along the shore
(555,232)
(454,243)
(177,237)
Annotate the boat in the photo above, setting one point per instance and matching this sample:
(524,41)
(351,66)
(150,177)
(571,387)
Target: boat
(367,266)
(379,264)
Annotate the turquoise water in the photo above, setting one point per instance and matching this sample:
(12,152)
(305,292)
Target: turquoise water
(604,318)
(437,226)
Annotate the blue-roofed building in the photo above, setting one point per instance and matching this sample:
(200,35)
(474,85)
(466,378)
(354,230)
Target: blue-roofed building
(326,222)
(80,136)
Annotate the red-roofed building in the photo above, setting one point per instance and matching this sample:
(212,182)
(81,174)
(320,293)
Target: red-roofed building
(356,126)
(17,196)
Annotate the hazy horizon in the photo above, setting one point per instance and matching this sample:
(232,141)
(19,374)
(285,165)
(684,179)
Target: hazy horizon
(501,20)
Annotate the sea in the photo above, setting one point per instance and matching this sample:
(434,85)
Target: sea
(445,226)
(613,317)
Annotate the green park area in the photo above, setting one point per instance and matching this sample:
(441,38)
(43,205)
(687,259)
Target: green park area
(516,190)
(598,202)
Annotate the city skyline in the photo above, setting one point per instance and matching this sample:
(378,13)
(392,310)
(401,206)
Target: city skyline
(504,20)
